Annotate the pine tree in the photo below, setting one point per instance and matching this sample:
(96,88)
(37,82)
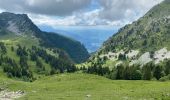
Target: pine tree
(167,67)
(127,73)
(147,71)
(158,72)
(120,72)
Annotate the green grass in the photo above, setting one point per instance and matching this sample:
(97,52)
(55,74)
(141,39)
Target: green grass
(77,86)
(12,40)
(23,41)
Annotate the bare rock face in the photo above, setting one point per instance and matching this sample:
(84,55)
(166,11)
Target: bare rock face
(10,95)
(13,28)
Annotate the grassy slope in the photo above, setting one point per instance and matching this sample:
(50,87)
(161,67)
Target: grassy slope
(77,86)
(152,28)
(28,42)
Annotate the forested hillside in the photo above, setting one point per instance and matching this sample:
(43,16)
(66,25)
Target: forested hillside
(137,51)
(28,63)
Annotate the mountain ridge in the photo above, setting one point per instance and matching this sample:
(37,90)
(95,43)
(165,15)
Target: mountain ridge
(154,21)
(20,24)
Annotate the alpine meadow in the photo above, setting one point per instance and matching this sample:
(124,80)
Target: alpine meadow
(85,50)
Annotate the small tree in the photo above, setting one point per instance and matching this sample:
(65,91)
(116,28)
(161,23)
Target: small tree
(120,72)
(158,72)
(167,67)
(127,73)
(3,49)
(122,57)
(144,43)
(147,71)
(152,54)
(40,66)
(12,48)
(136,75)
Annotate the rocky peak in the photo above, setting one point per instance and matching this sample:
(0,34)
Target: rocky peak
(18,23)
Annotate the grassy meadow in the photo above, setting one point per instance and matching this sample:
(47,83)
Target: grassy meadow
(80,86)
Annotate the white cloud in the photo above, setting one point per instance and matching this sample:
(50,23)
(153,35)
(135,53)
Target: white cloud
(52,21)
(90,18)
(125,9)
(87,18)
(1,10)
(46,7)
(56,13)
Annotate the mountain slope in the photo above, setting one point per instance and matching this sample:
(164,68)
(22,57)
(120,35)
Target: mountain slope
(140,50)
(29,63)
(141,39)
(22,26)
(150,32)
(75,49)
(28,53)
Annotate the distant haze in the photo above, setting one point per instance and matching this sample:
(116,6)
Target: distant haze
(91,36)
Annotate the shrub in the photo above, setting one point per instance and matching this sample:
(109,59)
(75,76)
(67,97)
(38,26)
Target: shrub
(158,72)
(165,78)
(137,75)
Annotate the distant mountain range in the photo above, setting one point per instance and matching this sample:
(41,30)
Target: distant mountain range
(91,36)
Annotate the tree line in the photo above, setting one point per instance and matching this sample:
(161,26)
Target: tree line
(149,71)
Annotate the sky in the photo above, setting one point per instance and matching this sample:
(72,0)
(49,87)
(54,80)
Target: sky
(54,13)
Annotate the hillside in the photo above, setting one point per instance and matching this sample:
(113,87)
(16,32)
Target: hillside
(138,51)
(83,86)
(19,26)
(151,32)
(145,37)
(27,53)
(30,63)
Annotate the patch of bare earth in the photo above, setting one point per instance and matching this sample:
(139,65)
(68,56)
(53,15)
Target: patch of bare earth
(10,95)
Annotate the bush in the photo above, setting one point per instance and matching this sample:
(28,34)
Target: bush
(158,72)
(112,75)
(137,75)
(165,78)
(122,57)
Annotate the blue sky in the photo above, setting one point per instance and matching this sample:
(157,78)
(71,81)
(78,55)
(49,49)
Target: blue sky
(54,13)
(94,5)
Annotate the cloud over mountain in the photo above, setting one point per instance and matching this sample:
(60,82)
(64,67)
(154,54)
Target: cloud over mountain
(80,12)
(47,7)
(125,9)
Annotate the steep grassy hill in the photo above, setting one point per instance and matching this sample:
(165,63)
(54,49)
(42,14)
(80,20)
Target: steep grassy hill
(145,40)
(149,33)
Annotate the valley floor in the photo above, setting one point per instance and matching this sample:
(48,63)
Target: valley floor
(79,86)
